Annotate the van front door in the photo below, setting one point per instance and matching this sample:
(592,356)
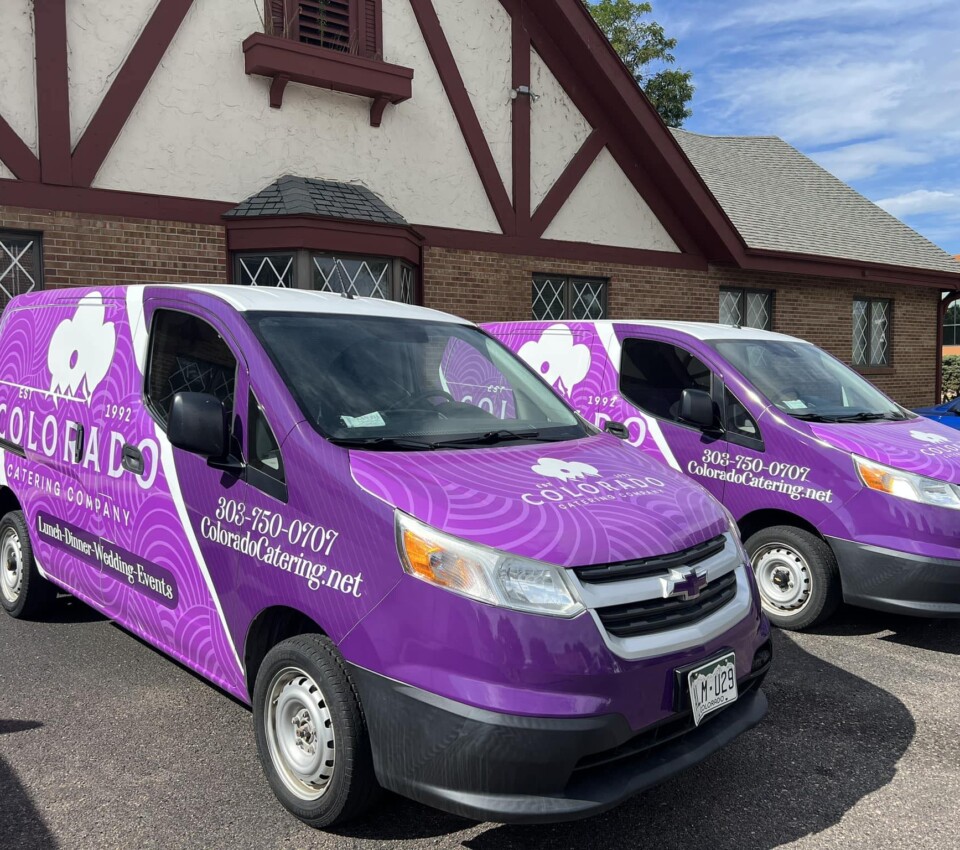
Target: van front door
(653,375)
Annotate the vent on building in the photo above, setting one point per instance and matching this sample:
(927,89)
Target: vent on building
(347,26)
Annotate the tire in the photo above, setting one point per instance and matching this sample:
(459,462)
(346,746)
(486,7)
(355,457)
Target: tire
(305,706)
(24,593)
(797,575)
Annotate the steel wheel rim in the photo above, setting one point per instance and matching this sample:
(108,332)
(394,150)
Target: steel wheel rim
(11,565)
(300,734)
(783,577)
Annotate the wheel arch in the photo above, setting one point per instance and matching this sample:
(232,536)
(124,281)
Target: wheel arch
(270,627)
(762,518)
(8,501)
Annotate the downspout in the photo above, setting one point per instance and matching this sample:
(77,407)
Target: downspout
(946,299)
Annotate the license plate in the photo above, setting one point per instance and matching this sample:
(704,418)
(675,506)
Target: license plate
(712,686)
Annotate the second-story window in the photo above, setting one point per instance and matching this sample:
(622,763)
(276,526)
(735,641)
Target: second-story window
(347,26)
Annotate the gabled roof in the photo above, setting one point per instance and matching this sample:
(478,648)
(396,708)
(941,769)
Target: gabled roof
(780,200)
(291,196)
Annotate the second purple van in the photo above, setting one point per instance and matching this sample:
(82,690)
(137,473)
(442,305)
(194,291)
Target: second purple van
(310,500)
(840,493)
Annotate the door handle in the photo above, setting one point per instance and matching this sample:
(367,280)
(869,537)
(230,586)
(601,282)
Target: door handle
(131,459)
(78,444)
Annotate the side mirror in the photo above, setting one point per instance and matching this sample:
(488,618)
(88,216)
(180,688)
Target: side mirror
(618,429)
(696,408)
(198,424)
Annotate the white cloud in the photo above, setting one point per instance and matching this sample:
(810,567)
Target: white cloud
(865,159)
(921,202)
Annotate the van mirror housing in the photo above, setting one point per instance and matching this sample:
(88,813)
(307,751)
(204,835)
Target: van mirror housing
(198,424)
(696,408)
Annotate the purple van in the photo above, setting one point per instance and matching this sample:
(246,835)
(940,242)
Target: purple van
(839,492)
(378,527)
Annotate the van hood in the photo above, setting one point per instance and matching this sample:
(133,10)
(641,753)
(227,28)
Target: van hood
(913,445)
(589,501)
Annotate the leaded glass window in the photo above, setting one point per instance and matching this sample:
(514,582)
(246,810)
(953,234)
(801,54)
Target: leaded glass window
(871,332)
(20,266)
(265,270)
(746,308)
(556,298)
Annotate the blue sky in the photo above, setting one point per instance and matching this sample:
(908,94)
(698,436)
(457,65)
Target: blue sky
(870,89)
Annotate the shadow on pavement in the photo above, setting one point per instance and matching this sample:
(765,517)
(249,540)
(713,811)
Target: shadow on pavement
(22,825)
(829,740)
(917,632)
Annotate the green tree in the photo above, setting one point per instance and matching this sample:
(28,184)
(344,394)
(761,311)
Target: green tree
(951,377)
(645,50)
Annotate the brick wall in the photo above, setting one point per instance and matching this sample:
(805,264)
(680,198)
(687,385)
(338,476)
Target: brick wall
(83,250)
(495,287)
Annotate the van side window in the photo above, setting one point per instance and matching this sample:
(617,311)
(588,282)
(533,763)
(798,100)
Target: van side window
(264,451)
(653,375)
(736,419)
(187,355)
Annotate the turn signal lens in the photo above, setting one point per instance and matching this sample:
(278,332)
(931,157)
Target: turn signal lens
(484,574)
(906,485)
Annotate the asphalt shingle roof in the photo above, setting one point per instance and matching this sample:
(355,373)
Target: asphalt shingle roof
(303,196)
(780,200)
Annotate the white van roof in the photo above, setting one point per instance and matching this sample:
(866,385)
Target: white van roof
(245,299)
(711,330)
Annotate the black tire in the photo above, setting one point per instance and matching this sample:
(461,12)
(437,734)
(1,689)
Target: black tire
(308,672)
(797,574)
(24,593)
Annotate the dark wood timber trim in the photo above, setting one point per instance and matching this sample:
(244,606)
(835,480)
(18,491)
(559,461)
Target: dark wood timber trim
(323,234)
(530,246)
(126,90)
(53,91)
(520,49)
(15,154)
(44,198)
(571,177)
(465,113)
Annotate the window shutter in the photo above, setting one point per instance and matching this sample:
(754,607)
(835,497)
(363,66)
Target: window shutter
(371,37)
(325,23)
(275,17)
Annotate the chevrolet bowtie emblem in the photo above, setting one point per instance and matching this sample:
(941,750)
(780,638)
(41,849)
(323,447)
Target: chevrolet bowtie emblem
(685,584)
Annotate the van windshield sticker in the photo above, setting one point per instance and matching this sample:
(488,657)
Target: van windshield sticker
(794,404)
(369,420)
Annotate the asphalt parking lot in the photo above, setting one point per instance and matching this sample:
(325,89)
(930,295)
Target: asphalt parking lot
(105,743)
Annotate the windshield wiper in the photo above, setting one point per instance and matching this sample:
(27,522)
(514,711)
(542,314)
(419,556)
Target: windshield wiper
(814,417)
(864,416)
(383,443)
(502,435)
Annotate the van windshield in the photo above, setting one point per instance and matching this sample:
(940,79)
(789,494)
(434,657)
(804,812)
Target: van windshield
(807,383)
(400,384)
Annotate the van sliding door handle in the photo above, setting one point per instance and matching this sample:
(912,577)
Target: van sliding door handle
(78,444)
(132,460)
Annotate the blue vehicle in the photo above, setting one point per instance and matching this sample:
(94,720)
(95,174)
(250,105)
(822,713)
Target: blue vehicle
(947,413)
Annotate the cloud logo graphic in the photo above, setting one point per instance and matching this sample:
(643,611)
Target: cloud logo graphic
(564,470)
(82,349)
(927,437)
(561,361)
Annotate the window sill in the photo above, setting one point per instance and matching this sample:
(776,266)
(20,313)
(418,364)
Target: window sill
(286,61)
(874,370)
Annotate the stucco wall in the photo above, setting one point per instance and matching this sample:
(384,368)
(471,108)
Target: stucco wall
(18,89)
(204,129)
(99,38)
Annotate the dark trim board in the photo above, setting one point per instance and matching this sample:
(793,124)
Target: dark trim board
(127,89)
(53,91)
(15,154)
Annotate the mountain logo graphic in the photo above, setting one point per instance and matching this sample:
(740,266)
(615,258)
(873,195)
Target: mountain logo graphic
(81,350)
(927,437)
(564,470)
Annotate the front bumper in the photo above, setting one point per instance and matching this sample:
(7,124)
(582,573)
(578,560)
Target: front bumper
(517,769)
(898,582)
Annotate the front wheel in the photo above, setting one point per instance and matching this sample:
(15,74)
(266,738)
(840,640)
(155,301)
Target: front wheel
(311,734)
(797,575)
(24,593)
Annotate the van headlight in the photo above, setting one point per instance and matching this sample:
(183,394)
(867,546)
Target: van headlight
(906,485)
(484,574)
